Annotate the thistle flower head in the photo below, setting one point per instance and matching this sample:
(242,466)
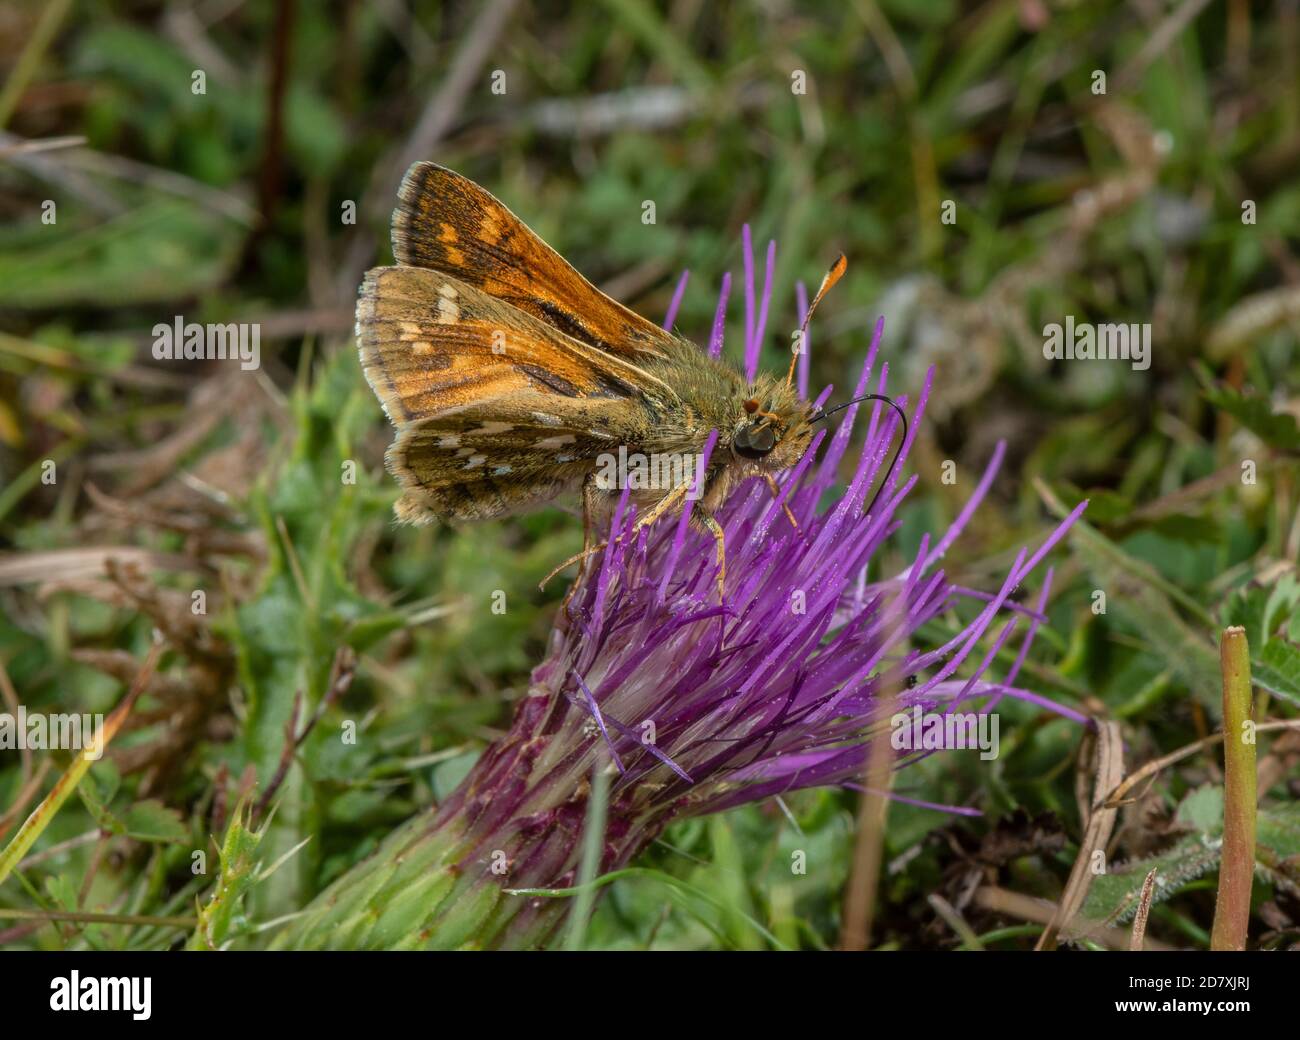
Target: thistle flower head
(693,705)
(697,705)
(700,706)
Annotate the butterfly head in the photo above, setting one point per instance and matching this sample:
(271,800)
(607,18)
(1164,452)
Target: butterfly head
(774,428)
(777,426)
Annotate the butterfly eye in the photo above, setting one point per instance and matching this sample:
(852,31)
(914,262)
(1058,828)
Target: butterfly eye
(753,442)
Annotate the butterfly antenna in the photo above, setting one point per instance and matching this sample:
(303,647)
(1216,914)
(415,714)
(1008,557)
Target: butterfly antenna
(871,397)
(832,276)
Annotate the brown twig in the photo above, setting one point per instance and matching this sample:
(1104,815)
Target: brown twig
(1143,909)
(955,921)
(10,696)
(286,757)
(1157,42)
(37,858)
(35,824)
(92,869)
(270,169)
(217,817)
(39,38)
(1040,911)
(341,674)
(1097,830)
(864,879)
(40,144)
(1116,796)
(26,793)
(89,917)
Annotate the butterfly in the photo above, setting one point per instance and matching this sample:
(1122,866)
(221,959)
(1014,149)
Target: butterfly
(512,381)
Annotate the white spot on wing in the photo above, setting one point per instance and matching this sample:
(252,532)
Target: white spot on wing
(558,441)
(448,308)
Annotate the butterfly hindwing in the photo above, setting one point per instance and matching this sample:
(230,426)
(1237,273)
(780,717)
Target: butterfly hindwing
(446,222)
(502,457)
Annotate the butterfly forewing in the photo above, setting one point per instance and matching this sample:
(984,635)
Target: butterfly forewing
(448,223)
(430,342)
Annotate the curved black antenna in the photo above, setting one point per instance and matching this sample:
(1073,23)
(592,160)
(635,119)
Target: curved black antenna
(897,451)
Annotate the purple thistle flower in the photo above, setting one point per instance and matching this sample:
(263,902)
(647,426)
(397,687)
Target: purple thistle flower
(698,706)
(776,689)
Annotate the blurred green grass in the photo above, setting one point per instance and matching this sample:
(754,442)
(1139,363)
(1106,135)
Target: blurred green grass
(190,204)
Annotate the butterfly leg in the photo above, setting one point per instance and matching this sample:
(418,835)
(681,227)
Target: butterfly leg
(673,498)
(776,493)
(588,493)
(575,558)
(666,503)
(720,540)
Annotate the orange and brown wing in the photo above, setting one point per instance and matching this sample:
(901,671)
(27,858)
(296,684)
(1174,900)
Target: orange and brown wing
(446,222)
(431,343)
(497,411)
(507,456)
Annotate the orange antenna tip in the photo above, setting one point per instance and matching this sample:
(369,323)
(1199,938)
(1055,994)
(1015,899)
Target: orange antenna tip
(832,276)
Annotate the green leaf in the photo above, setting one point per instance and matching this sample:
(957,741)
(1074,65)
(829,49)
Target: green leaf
(1140,596)
(96,802)
(1277,668)
(1277,429)
(448,775)
(1113,896)
(1198,530)
(711,912)
(1105,507)
(162,250)
(1281,604)
(316,135)
(150,820)
(222,916)
(727,876)
(1263,610)
(1247,607)
(1202,810)
(1278,830)
(1116,893)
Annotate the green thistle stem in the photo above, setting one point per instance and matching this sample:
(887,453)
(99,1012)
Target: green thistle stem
(1237,870)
